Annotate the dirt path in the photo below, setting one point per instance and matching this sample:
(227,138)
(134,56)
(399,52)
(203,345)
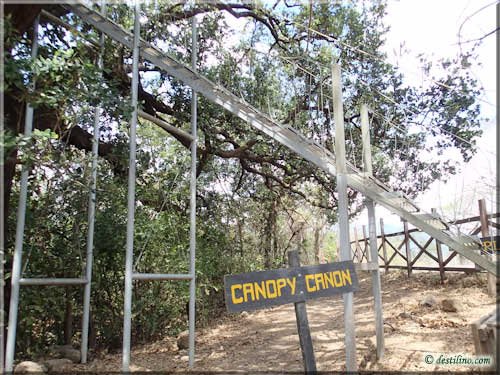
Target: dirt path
(267,339)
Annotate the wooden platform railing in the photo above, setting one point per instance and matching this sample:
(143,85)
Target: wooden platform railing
(391,248)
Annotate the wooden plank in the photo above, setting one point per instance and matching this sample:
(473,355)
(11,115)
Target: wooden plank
(493,224)
(422,249)
(473,219)
(365,241)
(483,218)
(484,335)
(384,248)
(262,289)
(485,232)
(450,258)
(305,339)
(451,269)
(396,251)
(407,246)
(439,256)
(358,247)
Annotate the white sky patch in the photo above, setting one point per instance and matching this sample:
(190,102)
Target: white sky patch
(431,27)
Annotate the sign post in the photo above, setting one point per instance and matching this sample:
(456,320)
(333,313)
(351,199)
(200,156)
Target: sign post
(263,289)
(305,339)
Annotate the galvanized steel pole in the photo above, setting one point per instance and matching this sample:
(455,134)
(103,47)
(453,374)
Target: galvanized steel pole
(91,210)
(192,204)
(21,216)
(372,230)
(127,312)
(365,138)
(343,214)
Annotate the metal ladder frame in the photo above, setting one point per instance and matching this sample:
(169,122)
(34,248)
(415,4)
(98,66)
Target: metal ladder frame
(16,279)
(130,275)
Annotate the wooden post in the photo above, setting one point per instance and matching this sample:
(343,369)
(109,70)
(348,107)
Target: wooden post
(384,248)
(365,240)
(356,240)
(407,245)
(439,255)
(305,339)
(485,232)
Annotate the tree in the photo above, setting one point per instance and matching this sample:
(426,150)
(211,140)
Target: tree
(279,66)
(449,107)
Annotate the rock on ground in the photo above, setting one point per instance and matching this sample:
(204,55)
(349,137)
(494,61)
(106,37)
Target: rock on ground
(58,365)
(29,367)
(449,305)
(67,351)
(183,340)
(429,301)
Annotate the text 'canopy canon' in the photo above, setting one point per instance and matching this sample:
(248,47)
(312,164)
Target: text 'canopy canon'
(256,290)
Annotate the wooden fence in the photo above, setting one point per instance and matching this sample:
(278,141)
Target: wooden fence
(412,249)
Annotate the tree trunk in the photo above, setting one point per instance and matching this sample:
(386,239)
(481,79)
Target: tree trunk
(269,235)
(92,332)
(68,317)
(240,236)
(317,247)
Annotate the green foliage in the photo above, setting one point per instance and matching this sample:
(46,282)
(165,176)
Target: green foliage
(253,206)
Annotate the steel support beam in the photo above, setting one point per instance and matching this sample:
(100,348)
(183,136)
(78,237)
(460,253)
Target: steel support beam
(91,210)
(343,216)
(160,276)
(48,281)
(129,256)
(21,217)
(285,135)
(192,203)
(372,230)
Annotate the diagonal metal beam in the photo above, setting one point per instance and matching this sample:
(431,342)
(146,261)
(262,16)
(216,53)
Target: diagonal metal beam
(287,136)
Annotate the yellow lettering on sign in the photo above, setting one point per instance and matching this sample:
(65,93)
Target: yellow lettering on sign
(260,290)
(328,280)
(280,283)
(334,279)
(309,287)
(346,275)
(248,290)
(235,299)
(320,283)
(291,285)
(274,293)
(337,279)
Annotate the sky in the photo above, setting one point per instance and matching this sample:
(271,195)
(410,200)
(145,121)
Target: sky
(435,28)
(432,27)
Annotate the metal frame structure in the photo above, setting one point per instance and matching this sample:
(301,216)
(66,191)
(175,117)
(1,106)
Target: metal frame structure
(343,216)
(372,188)
(346,173)
(16,279)
(372,230)
(129,256)
(130,275)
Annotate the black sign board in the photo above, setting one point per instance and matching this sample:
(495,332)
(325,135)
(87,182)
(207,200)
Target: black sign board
(491,244)
(257,290)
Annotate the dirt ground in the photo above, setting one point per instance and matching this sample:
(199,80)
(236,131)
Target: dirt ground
(267,340)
